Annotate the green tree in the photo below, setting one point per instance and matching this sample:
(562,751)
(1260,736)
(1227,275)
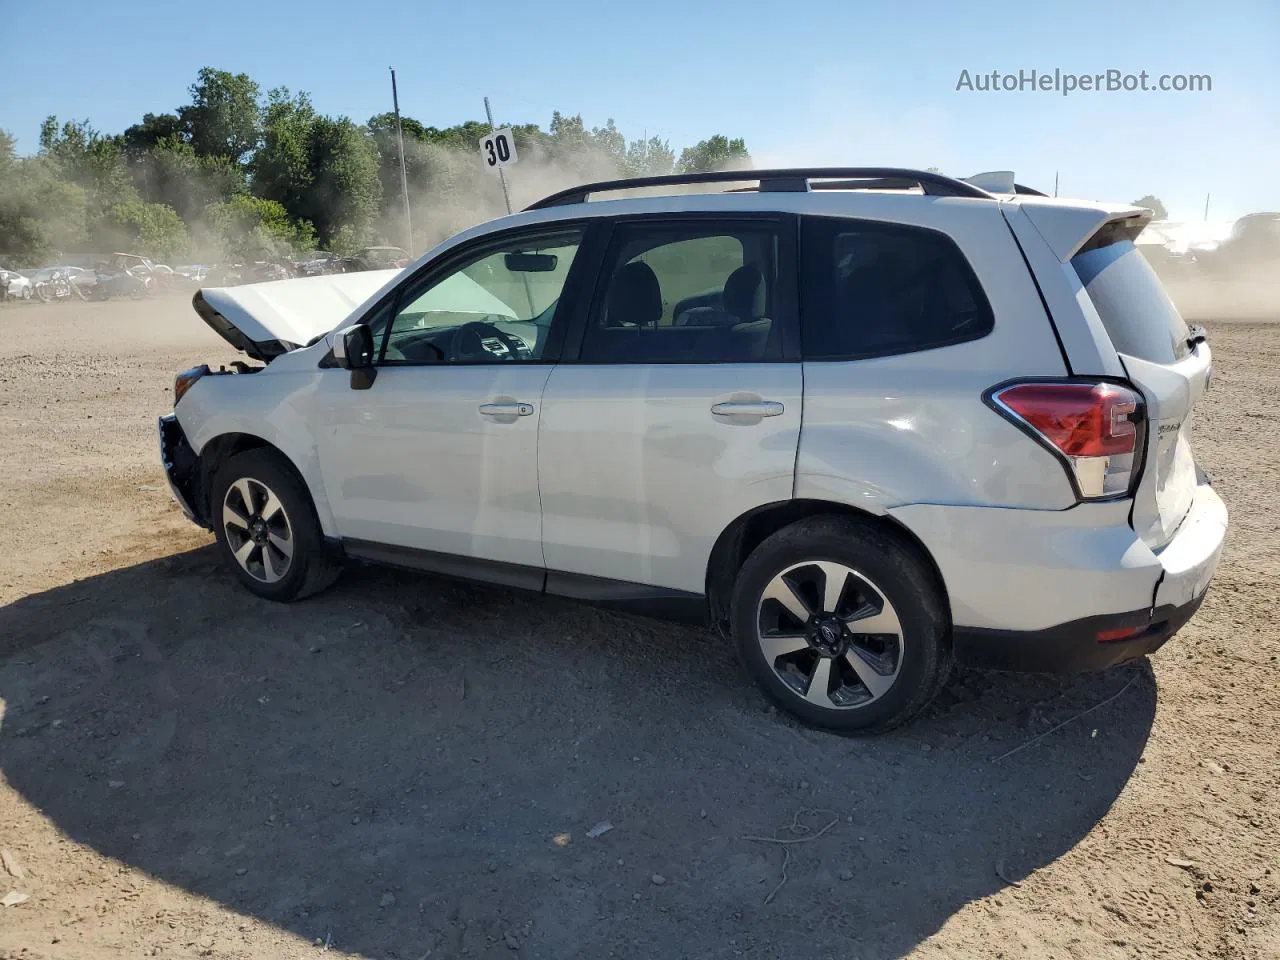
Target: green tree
(384,125)
(172,173)
(224,117)
(610,142)
(463,136)
(149,229)
(345,188)
(1152,203)
(420,155)
(281,167)
(715,153)
(152,130)
(250,228)
(83,156)
(651,158)
(41,215)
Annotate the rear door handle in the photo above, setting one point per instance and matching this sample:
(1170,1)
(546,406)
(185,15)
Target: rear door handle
(506,409)
(748,408)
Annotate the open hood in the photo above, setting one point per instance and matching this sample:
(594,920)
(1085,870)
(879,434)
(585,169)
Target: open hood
(268,319)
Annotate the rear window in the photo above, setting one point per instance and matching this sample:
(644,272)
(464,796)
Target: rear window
(875,289)
(1139,316)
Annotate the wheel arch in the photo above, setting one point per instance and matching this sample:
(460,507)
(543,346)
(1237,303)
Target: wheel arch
(217,450)
(748,531)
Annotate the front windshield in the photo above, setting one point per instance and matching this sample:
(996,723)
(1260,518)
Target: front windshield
(501,304)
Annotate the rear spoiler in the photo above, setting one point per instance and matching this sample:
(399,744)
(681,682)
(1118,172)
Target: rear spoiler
(1072,227)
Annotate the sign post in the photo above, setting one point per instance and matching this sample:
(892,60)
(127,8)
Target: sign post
(404,175)
(497,149)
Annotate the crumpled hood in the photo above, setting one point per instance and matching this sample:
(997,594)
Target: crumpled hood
(268,319)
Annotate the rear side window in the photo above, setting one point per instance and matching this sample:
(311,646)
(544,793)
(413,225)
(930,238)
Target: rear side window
(872,290)
(1138,315)
(695,292)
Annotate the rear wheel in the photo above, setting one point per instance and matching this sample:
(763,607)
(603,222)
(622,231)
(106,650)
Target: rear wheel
(841,624)
(267,528)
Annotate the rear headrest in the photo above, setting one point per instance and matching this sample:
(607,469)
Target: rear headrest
(744,293)
(634,298)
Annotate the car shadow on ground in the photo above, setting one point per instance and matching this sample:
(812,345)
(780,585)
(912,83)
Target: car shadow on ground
(406,764)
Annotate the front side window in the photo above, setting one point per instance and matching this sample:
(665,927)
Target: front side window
(875,289)
(700,292)
(494,307)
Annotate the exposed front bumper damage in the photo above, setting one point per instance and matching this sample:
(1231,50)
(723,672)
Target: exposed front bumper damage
(181,467)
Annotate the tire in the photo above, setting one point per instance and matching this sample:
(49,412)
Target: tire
(874,681)
(258,505)
(42,291)
(26,292)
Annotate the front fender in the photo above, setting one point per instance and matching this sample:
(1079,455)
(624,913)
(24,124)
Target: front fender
(270,406)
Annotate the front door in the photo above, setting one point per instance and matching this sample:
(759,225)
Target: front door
(440,455)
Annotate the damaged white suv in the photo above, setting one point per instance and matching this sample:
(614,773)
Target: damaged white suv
(864,421)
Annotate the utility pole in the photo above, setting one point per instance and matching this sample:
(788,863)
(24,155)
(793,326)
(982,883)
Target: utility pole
(1206,208)
(488,112)
(404,175)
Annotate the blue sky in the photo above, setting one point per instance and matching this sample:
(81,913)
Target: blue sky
(816,82)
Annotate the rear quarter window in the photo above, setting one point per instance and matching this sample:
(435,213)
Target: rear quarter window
(874,290)
(1138,315)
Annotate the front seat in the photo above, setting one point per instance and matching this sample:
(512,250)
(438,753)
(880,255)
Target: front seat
(743,296)
(635,297)
(744,301)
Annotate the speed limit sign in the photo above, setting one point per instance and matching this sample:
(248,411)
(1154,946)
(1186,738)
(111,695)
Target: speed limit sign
(498,149)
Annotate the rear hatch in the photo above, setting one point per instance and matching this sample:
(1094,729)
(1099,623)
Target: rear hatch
(1165,359)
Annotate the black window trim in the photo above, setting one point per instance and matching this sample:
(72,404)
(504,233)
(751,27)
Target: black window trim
(786,304)
(447,263)
(984,301)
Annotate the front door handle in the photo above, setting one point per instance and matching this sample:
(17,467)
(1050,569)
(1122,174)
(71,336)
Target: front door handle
(512,409)
(748,408)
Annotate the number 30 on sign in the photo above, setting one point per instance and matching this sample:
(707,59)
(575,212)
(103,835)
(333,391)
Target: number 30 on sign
(498,149)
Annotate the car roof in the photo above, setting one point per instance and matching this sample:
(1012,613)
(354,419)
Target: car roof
(887,194)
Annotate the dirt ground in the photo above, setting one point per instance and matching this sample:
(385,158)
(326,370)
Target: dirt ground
(407,767)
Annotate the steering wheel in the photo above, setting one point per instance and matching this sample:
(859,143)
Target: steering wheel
(468,342)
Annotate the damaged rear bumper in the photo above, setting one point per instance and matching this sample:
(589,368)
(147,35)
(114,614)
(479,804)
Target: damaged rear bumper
(180,467)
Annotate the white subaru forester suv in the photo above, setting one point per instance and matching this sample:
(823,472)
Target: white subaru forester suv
(864,421)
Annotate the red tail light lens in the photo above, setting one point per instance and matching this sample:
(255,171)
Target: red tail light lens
(1095,428)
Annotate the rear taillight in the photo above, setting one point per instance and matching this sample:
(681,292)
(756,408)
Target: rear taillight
(1095,428)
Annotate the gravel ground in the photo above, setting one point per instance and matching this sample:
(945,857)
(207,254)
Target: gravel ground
(407,767)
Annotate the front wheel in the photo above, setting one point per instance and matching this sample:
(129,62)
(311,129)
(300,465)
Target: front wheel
(43,292)
(842,625)
(267,529)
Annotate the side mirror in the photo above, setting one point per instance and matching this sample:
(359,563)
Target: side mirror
(353,350)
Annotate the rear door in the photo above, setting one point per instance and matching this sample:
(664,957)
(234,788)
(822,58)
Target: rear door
(677,407)
(1164,361)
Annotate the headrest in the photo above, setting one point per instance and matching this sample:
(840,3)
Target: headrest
(744,293)
(634,298)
